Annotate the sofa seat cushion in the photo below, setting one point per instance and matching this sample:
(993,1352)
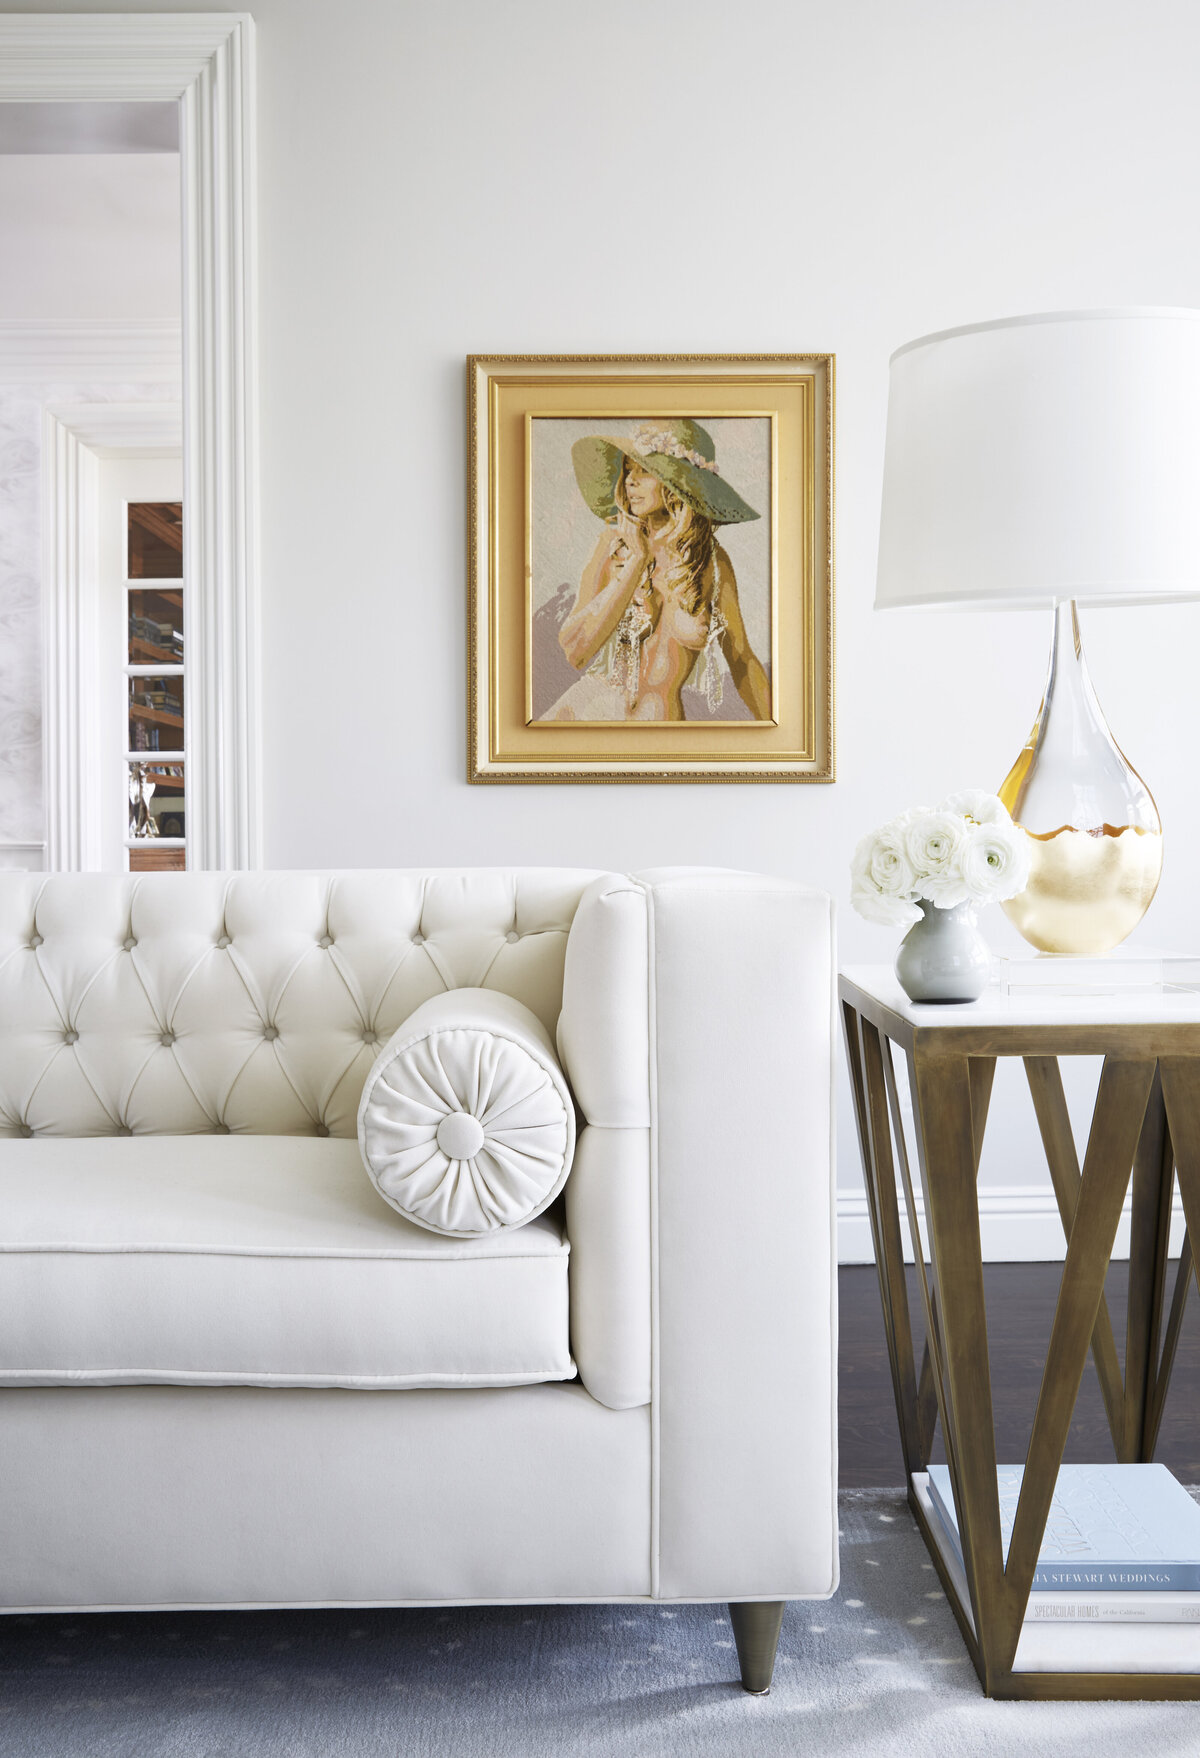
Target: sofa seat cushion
(258,1260)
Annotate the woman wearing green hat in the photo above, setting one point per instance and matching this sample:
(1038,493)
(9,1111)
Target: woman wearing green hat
(659,596)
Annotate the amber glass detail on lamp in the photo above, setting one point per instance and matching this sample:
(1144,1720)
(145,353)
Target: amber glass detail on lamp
(1094,830)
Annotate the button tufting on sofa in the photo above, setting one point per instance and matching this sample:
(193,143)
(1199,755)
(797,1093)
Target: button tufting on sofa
(321,1129)
(70,1037)
(129,943)
(26,1129)
(326,941)
(370,1037)
(270,1033)
(512,935)
(35,940)
(222,1129)
(166,1039)
(218,1006)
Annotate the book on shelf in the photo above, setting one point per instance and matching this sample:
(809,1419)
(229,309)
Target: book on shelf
(1088,1645)
(1122,1543)
(1113,1608)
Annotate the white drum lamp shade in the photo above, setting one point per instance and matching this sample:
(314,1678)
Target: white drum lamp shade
(1041,459)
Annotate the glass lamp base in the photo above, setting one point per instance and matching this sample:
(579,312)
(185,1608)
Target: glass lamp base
(1094,832)
(1087,891)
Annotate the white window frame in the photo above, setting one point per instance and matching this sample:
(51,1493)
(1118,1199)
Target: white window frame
(125,482)
(205,62)
(75,443)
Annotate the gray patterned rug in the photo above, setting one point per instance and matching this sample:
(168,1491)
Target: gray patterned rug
(878,1669)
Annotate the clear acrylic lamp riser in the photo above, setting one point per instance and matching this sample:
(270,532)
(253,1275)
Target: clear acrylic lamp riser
(1094,830)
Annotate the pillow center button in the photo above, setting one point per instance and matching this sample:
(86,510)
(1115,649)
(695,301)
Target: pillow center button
(460,1136)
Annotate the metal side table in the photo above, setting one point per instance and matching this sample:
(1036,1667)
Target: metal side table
(1145,1129)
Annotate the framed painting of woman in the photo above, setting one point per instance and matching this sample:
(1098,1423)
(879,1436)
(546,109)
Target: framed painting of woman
(651,568)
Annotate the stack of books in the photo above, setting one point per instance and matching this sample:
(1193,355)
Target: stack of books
(1122,1543)
(1121,1549)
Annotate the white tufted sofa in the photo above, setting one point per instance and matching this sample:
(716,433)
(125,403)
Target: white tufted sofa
(230,1375)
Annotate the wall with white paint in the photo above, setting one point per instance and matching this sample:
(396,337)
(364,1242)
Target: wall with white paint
(780,175)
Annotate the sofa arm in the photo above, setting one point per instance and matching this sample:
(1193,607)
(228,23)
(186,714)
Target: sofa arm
(723,984)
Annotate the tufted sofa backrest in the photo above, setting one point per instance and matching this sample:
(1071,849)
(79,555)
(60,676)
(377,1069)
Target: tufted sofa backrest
(177,1003)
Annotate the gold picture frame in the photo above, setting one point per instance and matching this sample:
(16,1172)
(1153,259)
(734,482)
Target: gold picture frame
(585,664)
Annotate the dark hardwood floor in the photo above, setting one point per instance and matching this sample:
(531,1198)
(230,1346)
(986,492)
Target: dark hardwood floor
(1020,1306)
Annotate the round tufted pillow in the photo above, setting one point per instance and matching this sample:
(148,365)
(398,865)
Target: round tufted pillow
(466,1122)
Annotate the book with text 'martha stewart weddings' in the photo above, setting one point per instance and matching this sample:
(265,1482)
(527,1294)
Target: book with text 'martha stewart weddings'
(1122,1543)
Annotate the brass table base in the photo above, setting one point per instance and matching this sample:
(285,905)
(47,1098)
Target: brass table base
(1145,1132)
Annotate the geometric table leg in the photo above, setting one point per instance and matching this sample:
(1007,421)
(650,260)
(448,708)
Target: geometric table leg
(1149,1244)
(1058,1141)
(946,1149)
(866,1055)
(998,1592)
(1121,1103)
(1181,1095)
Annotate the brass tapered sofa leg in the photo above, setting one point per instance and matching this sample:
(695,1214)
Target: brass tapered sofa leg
(756,1627)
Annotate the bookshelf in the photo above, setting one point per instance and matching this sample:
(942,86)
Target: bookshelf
(155,756)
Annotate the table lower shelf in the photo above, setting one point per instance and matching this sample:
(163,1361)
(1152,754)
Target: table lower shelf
(1083,1648)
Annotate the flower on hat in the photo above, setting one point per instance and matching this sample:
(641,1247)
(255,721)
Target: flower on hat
(648,439)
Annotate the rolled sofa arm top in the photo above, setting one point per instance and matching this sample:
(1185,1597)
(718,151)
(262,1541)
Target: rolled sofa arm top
(604,1027)
(603,1034)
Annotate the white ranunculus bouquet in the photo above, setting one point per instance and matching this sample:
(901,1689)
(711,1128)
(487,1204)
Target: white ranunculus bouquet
(967,850)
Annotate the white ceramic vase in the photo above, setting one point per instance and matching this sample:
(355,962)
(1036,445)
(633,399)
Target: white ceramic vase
(944,957)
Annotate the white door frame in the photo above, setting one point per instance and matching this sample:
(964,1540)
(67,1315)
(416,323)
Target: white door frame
(205,61)
(74,440)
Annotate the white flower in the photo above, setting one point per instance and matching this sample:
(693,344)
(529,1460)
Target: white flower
(888,862)
(995,861)
(974,804)
(934,843)
(881,879)
(967,850)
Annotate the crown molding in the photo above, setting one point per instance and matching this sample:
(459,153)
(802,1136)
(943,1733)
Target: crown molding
(123,430)
(70,352)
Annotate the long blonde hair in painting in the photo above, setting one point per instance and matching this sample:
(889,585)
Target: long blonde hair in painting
(691,549)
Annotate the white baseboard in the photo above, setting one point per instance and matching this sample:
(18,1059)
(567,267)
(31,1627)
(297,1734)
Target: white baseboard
(24,856)
(1017,1224)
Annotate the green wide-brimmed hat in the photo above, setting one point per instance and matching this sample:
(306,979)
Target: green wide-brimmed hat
(680,453)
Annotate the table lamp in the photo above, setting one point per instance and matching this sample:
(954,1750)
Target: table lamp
(1054,460)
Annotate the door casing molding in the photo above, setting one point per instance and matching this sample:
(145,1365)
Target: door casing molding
(205,62)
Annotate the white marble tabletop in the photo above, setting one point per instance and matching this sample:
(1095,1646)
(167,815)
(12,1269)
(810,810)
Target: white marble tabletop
(1119,1007)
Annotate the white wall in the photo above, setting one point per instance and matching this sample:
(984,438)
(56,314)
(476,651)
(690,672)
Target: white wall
(90,236)
(84,240)
(537,175)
